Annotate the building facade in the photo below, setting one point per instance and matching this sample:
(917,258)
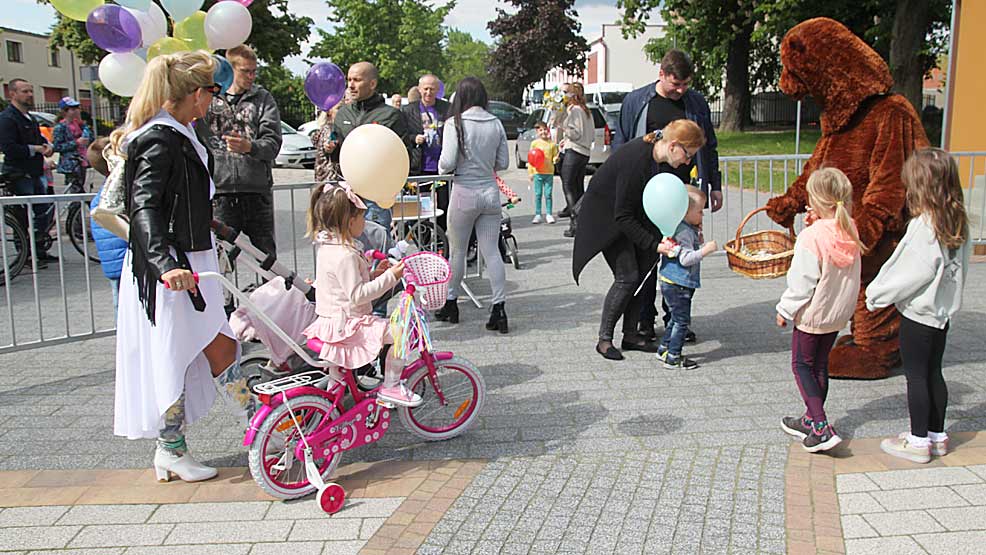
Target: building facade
(54,71)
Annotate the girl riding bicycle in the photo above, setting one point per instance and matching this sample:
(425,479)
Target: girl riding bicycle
(345,288)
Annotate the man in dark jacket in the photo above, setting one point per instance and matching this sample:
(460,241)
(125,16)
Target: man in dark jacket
(367,106)
(650,108)
(24,150)
(243,133)
(425,119)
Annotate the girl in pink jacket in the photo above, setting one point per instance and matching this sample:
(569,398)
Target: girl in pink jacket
(345,289)
(822,285)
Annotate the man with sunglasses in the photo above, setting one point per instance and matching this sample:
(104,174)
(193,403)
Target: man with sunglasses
(650,108)
(243,132)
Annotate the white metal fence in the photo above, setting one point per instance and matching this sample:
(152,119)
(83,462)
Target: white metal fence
(71,300)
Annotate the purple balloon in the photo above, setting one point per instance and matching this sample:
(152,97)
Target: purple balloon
(113,28)
(441,89)
(325,85)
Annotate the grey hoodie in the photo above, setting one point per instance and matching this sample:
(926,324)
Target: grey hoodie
(485,144)
(921,278)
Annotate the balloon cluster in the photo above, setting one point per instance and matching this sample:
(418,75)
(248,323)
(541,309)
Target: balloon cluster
(133,31)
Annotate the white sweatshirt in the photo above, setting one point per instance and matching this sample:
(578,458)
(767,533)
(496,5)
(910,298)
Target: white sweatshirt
(922,279)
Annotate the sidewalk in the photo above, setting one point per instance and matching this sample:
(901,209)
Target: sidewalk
(572,454)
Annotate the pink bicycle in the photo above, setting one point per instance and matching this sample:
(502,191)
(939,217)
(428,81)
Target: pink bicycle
(307,420)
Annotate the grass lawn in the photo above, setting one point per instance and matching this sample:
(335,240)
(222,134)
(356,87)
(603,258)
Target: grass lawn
(755,143)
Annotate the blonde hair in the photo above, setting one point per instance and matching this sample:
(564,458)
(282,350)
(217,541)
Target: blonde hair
(168,77)
(931,178)
(330,210)
(696,197)
(683,131)
(830,190)
(241,53)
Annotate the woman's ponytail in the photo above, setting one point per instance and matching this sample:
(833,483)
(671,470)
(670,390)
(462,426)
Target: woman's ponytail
(153,91)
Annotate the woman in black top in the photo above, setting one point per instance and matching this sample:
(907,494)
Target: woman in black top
(630,247)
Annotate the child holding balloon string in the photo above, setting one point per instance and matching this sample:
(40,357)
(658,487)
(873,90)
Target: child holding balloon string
(543,175)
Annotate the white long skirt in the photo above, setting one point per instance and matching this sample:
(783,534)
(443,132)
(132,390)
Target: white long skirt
(155,364)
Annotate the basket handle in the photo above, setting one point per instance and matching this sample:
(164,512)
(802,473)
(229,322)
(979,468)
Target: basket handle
(739,230)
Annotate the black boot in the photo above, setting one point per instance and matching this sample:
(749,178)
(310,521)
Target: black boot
(498,319)
(449,313)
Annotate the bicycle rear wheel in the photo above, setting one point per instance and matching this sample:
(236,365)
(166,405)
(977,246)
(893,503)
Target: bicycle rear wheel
(73,227)
(427,236)
(272,461)
(16,246)
(464,391)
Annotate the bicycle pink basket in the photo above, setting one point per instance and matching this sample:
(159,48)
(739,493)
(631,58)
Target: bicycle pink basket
(430,274)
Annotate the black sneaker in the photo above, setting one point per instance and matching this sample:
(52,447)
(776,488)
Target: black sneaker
(821,440)
(798,427)
(678,363)
(690,337)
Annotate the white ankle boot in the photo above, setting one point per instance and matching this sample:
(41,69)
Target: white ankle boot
(188,469)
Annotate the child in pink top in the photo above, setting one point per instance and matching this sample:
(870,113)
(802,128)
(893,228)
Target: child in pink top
(345,288)
(820,298)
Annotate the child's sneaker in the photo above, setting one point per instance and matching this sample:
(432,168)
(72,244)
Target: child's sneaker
(901,447)
(821,440)
(796,426)
(662,352)
(549,218)
(399,395)
(679,362)
(939,448)
(537,219)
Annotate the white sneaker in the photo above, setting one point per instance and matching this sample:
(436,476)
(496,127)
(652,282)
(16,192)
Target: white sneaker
(549,218)
(399,395)
(188,469)
(537,219)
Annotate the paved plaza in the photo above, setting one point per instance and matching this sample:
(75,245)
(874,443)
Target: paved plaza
(572,453)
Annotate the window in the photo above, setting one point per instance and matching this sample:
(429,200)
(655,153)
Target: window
(54,60)
(14,53)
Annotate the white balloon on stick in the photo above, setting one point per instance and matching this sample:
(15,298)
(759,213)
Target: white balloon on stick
(375,163)
(227,24)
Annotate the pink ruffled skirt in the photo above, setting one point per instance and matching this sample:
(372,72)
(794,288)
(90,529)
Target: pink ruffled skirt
(358,342)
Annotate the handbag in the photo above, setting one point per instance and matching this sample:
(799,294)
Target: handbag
(111,210)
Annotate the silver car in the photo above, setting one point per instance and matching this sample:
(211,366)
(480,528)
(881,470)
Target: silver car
(600,143)
(296,149)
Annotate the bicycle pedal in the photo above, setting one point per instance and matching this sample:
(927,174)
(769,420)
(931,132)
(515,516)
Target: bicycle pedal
(386,404)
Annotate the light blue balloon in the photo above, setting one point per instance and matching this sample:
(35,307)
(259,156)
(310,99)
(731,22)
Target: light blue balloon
(665,202)
(180,9)
(142,5)
(224,72)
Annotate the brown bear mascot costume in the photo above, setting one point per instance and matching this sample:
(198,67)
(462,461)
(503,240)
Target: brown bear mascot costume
(867,132)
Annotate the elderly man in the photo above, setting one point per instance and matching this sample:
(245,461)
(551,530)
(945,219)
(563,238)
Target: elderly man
(24,150)
(367,106)
(425,119)
(243,133)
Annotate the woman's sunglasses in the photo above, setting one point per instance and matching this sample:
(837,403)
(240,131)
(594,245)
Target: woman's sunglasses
(214,88)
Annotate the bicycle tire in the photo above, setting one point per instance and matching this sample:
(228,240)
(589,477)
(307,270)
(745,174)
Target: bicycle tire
(261,462)
(427,236)
(412,418)
(73,228)
(512,251)
(17,247)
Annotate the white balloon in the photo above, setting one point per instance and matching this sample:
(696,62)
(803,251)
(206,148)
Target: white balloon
(180,9)
(122,73)
(153,25)
(142,5)
(375,163)
(227,24)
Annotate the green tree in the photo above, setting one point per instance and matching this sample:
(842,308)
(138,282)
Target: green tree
(539,36)
(289,92)
(465,57)
(403,38)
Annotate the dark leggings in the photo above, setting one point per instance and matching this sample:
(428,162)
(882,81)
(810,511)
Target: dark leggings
(629,264)
(573,177)
(921,351)
(810,364)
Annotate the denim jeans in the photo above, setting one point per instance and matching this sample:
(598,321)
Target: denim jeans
(29,185)
(680,300)
(375,213)
(251,213)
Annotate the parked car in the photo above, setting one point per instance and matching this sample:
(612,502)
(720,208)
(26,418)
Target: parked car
(46,122)
(608,96)
(309,128)
(600,143)
(512,117)
(296,149)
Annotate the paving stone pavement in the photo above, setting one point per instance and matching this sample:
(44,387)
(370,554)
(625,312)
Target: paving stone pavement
(620,456)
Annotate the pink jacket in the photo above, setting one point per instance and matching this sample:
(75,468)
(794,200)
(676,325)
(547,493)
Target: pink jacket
(343,288)
(823,282)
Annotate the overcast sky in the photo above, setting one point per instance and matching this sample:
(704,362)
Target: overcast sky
(468,15)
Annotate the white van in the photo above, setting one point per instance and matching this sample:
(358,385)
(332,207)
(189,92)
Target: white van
(608,96)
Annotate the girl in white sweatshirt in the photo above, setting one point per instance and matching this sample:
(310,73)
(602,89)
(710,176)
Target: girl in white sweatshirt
(924,278)
(822,285)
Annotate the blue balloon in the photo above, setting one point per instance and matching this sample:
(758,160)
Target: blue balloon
(665,202)
(224,72)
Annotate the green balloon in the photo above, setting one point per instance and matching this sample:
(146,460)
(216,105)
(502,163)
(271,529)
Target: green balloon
(192,31)
(167,45)
(76,9)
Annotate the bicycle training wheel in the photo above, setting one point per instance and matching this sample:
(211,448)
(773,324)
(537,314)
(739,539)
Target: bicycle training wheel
(16,247)
(73,227)
(272,462)
(464,391)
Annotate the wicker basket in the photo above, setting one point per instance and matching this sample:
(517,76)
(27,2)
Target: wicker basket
(780,245)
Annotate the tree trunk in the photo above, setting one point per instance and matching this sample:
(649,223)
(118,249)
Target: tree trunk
(910,27)
(736,100)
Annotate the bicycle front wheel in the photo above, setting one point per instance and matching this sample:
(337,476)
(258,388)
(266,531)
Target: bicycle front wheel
(15,245)
(464,391)
(73,226)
